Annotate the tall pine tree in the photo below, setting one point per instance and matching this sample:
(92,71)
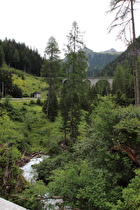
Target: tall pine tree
(75,67)
(51,68)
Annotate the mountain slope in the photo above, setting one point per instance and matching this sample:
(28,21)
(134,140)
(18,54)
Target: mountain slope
(28,84)
(97,61)
(110,68)
(20,56)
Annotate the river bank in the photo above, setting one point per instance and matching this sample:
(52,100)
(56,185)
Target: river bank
(27,157)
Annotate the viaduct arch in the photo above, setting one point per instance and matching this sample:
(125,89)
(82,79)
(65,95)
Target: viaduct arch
(93,81)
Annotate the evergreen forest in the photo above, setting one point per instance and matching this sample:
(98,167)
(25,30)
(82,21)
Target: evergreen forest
(90,133)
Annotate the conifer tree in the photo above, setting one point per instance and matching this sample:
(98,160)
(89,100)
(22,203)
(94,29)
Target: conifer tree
(51,66)
(75,67)
(1,55)
(16,58)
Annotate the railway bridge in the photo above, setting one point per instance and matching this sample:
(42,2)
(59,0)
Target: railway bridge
(93,81)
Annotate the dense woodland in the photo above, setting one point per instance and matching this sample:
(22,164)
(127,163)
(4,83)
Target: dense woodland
(91,134)
(21,57)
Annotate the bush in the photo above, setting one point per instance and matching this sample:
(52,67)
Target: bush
(80,186)
(130,195)
(38,102)
(32,102)
(16,92)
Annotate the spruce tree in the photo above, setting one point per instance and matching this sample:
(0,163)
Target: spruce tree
(52,67)
(16,58)
(1,55)
(75,67)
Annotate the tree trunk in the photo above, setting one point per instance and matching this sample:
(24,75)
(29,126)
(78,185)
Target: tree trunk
(135,59)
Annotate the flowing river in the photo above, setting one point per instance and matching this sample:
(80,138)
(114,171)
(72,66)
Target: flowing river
(30,175)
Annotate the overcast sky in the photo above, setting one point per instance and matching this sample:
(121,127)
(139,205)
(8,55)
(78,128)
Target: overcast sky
(33,22)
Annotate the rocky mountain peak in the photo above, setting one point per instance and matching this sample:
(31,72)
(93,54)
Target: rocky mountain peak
(111,51)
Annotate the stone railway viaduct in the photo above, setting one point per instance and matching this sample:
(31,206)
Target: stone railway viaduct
(93,81)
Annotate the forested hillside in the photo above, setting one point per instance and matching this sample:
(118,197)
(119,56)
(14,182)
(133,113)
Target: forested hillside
(19,56)
(121,59)
(16,83)
(17,61)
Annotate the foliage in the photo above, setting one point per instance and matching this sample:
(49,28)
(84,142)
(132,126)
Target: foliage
(130,195)
(19,56)
(2,56)
(32,196)
(17,83)
(51,69)
(45,168)
(128,130)
(29,84)
(123,84)
(52,111)
(72,91)
(102,88)
(88,98)
(115,125)
(80,186)
(7,87)
(24,129)
(6,82)
(8,131)
(11,180)
(96,169)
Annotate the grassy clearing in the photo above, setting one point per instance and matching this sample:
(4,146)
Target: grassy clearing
(30,84)
(27,82)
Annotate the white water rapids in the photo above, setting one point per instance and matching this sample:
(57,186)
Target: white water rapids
(30,175)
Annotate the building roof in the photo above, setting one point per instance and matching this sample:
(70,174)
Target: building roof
(7,205)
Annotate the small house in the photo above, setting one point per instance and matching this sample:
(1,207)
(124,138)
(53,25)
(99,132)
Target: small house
(37,94)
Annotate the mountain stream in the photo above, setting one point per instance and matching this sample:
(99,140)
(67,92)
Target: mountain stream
(30,175)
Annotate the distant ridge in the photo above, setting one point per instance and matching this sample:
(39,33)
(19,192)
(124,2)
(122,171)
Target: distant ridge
(112,51)
(98,60)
